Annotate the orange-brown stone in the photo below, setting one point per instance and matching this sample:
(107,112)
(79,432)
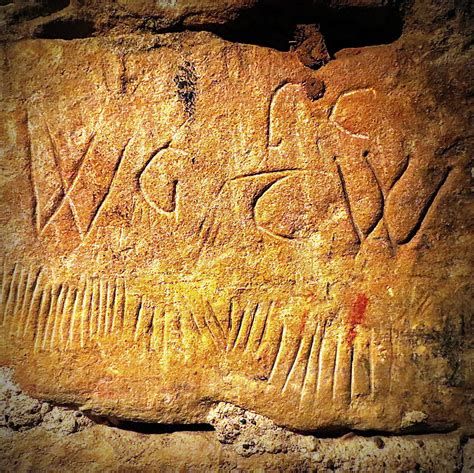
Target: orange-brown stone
(193,220)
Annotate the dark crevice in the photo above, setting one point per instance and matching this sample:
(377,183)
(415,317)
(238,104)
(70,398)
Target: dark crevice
(336,432)
(25,11)
(328,433)
(360,27)
(332,432)
(146,428)
(66,29)
(276,25)
(150,427)
(52,6)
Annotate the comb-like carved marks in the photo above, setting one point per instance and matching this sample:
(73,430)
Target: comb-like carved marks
(294,351)
(318,364)
(203,319)
(60,316)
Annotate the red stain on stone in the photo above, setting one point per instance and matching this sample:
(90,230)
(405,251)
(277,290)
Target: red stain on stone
(357,315)
(304,321)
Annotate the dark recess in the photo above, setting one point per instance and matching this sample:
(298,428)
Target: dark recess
(335,431)
(328,433)
(274,26)
(24,11)
(359,27)
(154,428)
(66,29)
(271,23)
(51,6)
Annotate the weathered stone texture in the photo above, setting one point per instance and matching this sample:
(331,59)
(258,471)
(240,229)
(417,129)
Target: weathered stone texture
(107,449)
(187,220)
(35,436)
(69,19)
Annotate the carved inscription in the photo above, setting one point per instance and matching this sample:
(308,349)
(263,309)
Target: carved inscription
(311,360)
(380,190)
(79,190)
(325,178)
(161,188)
(185,230)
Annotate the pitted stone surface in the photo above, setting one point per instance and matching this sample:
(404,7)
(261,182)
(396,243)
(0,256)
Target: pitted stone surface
(71,19)
(20,413)
(186,220)
(60,438)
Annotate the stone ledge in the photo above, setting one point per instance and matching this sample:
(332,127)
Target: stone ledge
(36,436)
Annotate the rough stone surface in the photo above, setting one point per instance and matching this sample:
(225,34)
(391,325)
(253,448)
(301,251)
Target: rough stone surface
(19,412)
(39,437)
(69,19)
(59,438)
(468,457)
(187,220)
(102,448)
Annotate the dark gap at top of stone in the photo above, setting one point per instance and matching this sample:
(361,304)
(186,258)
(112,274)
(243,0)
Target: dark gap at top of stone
(275,24)
(360,27)
(27,10)
(66,29)
(275,27)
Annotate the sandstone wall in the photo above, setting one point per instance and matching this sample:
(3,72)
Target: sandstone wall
(244,203)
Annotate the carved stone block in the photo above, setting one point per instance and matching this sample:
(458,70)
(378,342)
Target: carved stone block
(187,223)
